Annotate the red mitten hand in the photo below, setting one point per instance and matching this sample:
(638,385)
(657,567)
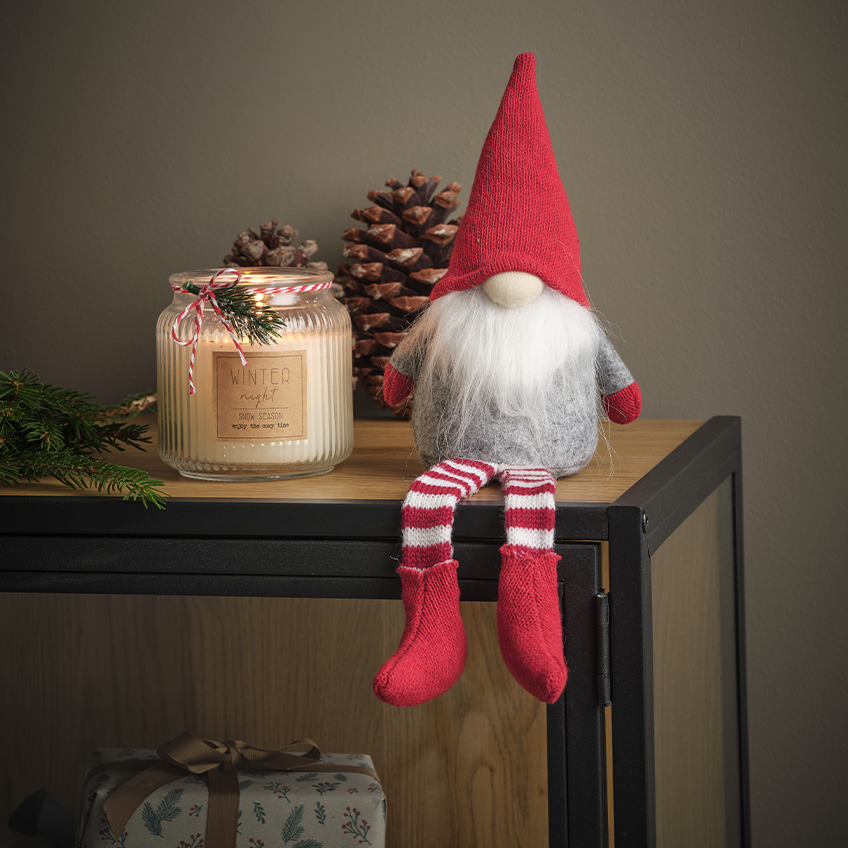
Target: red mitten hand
(396,386)
(624,406)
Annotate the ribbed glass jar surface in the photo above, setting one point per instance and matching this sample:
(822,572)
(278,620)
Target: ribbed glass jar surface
(287,413)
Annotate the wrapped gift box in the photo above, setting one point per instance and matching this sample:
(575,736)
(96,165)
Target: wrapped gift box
(336,801)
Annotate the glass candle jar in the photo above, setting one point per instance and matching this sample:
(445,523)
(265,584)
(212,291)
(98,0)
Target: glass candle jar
(288,412)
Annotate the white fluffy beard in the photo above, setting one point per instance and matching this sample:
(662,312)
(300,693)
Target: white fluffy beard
(503,363)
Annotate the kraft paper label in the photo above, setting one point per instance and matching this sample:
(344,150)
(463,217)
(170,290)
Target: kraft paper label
(264,400)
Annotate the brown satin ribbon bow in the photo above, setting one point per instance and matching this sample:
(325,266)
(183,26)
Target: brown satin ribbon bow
(218,763)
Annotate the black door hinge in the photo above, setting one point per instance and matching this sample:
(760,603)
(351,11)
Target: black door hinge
(602,620)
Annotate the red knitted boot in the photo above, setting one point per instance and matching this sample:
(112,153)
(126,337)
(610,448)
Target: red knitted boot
(431,654)
(529,622)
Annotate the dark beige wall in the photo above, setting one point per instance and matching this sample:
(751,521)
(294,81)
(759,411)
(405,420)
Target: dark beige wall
(703,149)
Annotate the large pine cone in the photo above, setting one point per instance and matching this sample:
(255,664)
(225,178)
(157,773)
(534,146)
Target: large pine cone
(394,264)
(273,246)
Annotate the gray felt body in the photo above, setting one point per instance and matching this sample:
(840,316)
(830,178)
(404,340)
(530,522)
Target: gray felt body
(564,440)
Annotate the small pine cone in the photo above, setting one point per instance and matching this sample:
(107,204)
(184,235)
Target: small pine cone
(274,246)
(392,267)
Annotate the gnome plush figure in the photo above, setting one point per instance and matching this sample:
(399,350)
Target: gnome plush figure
(510,369)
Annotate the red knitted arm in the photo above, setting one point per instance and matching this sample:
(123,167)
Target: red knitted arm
(624,406)
(396,386)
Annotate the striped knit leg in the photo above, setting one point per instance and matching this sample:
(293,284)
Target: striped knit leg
(529,621)
(431,654)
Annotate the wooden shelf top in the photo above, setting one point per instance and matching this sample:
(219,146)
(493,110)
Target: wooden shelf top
(384,463)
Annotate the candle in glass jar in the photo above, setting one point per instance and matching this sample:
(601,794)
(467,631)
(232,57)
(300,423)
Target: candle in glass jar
(287,412)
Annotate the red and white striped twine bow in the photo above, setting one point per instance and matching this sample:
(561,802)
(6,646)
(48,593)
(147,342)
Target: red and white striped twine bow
(207,293)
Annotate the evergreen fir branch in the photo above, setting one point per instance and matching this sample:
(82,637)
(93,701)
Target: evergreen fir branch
(21,387)
(116,434)
(151,820)
(309,843)
(49,431)
(81,472)
(247,318)
(9,473)
(168,809)
(292,828)
(43,435)
(10,413)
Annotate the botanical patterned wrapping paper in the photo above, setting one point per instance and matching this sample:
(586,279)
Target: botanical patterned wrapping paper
(293,809)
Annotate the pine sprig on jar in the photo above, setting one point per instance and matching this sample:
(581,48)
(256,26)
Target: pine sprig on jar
(245,314)
(46,431)
(392,267)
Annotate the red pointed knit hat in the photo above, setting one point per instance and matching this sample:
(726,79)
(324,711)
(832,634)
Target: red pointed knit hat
(518,217)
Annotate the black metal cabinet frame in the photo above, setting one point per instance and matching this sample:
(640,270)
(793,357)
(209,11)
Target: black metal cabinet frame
(348,549)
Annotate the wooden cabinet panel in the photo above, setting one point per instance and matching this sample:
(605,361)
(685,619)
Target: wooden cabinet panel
(694,664)
(88,671)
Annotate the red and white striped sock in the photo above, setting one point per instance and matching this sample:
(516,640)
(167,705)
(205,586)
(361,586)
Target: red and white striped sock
(529,621)
(432,650)
(530,507)
(427,514)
